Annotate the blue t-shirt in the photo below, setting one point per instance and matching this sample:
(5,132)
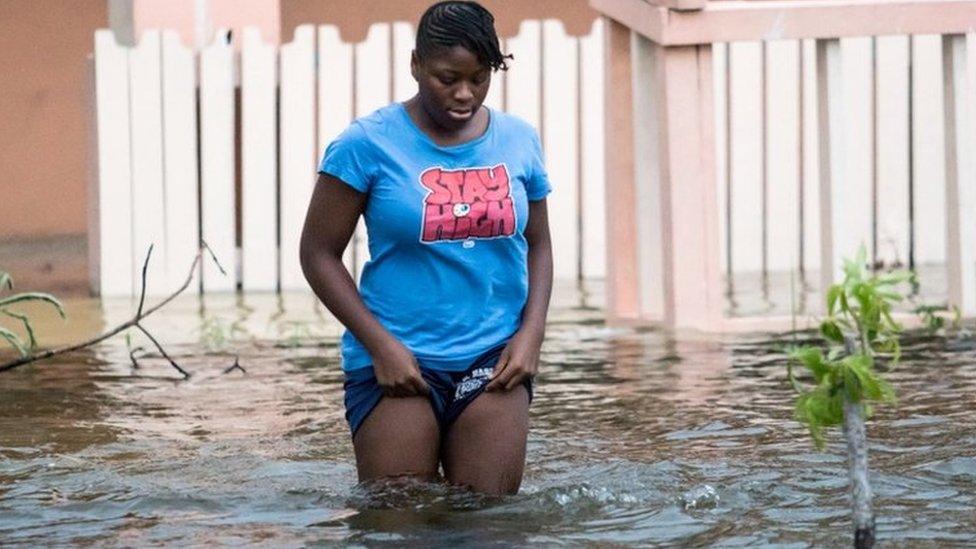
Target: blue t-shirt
(448,270)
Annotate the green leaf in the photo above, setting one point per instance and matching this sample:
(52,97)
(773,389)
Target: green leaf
(813,359)
(830,330)
(833,294)
(34,296)
(862,382)
(891,296)
(844,305)
(819,409)
(894,277)
(14,341)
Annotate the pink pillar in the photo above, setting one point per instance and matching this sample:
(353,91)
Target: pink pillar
(689,207)
(623,289)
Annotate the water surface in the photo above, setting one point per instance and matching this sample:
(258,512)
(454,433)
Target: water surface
(637,438)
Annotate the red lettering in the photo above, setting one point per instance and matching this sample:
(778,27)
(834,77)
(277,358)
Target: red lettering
(496,182)
(463,204)
(432,180)
(438,222)
(474,189)
(502,215)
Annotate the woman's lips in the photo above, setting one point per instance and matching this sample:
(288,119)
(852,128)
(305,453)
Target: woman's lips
(460,114)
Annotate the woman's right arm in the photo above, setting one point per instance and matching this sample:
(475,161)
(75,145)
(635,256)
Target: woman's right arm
(331,219)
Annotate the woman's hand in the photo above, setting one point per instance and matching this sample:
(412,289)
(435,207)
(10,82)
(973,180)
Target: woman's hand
(397,371)
(518,361)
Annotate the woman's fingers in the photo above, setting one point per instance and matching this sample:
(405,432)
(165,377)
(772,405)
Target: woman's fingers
(420,386)
(407,387)
(501,381)
(498,372)
(516,380)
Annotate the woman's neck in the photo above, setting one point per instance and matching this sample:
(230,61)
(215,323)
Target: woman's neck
(440,135)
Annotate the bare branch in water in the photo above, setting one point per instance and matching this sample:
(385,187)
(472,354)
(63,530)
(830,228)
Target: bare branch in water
(132,357)
(131,323)
(236,366)
(142,293)
(186,375)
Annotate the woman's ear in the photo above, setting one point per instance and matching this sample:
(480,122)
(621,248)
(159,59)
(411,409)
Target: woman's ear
(415,66)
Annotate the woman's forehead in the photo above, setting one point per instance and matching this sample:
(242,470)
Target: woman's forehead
(456,58)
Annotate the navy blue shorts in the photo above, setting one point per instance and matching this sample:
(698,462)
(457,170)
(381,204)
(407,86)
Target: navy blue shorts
(450,392)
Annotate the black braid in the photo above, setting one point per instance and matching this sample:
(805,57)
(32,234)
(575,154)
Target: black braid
(460,23)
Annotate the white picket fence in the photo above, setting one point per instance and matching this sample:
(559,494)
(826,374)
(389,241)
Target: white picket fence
(893,151)
(167,148)
(167,153)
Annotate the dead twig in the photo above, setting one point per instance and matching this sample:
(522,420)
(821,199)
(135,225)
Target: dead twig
(132,357)
(236,366)
(134,322)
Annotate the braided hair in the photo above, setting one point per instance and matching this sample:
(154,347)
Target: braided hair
(460,23)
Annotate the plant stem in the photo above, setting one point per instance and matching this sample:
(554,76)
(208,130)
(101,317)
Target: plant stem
(857,457)
(857,460)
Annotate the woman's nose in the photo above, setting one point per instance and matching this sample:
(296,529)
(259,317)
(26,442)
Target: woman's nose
(463,93)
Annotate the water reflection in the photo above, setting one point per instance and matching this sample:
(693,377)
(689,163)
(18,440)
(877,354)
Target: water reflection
(637,438)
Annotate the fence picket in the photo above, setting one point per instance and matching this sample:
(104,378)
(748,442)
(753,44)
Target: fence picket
(404,86)
(373,88)
(782,214)
(835,244)
(148,225)
(259,246)
(336,98)
(217,157)
(113,220)
(811,166)
(297,148)
(495,90)
(592,174)
(746,159)
(856,204)
(929,136)
(559,126)
(648,191)
(523,81)
(180,157)
(892,131)
(960,174)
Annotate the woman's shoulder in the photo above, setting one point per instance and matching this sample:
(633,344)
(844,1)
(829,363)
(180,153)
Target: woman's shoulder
(366,127)
(513,126)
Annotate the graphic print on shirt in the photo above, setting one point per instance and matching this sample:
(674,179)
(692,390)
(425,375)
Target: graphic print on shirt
(467,203)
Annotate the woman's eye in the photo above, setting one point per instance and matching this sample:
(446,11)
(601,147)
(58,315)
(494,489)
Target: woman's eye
(446,81)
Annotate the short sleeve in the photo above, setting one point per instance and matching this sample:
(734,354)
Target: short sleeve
(537,186)
(349,159)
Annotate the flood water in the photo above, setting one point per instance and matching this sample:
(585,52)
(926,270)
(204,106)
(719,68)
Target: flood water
(637,438)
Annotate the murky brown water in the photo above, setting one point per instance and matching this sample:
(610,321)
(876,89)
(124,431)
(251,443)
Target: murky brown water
(637,438)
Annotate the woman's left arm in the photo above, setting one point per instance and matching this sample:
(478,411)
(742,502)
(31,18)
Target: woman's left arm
(520,359)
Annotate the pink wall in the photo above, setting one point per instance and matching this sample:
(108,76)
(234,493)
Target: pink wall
(181,15)
(236,14)
(165,14)
(43,115)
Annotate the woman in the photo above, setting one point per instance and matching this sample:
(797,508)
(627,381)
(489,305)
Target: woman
(442,339)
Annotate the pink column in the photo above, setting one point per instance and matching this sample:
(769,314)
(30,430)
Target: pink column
(623,289)
(689,207)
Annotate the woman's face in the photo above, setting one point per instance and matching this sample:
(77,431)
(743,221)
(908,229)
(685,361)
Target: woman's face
(452,85)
